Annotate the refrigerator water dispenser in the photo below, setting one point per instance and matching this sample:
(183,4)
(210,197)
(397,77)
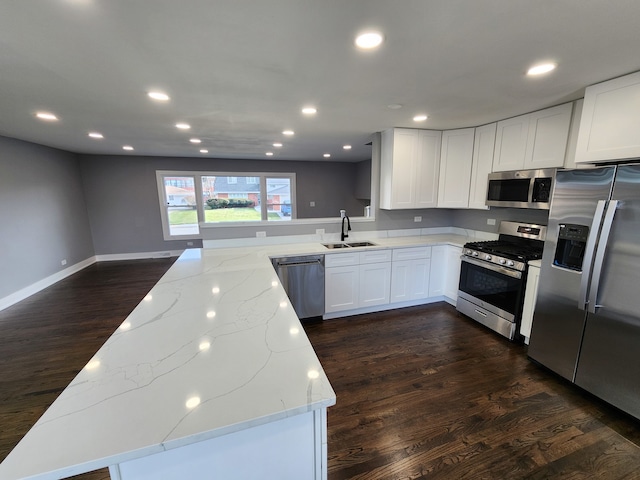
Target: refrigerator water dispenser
(570,249)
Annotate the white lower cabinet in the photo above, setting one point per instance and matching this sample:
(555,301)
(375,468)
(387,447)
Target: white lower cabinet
(410,273)
(445,271)
(530,297)
(437,270)
(375,279)
(357,280)
(342,286)
(452,275)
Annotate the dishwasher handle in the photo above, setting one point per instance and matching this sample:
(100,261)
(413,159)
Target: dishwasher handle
(295,263)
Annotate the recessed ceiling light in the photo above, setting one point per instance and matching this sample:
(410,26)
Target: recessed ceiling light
(309,110)
(269,154)
(195,140)
(95,135)
(127,147)
(46,116)
(394,106)
(326,155)
(420,118)
(277,145)
(541,69)
(347,147)
(183,126)
(288,132)
(368,40)
(160,96)
(204,150)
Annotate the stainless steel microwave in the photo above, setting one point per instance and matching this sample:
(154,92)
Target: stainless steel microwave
(521,188)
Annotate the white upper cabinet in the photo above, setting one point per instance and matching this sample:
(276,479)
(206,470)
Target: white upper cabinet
(610,123)
(485,139)
(511,144)
(535,140)
(456,159)
(548,136)
(409,167)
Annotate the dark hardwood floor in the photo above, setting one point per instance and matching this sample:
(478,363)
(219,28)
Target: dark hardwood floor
(425,392)
(422,392)
(46,339)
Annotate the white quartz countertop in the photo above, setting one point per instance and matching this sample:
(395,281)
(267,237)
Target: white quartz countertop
(215,347)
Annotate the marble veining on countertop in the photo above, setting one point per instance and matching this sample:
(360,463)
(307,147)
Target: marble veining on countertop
(215,347)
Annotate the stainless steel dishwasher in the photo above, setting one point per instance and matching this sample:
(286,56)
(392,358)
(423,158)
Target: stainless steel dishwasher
(303,279)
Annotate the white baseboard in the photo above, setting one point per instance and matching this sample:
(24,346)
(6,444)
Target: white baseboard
(36,287)
(25,292)
(138,256)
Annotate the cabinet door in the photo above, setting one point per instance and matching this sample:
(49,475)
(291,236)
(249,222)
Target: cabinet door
(375,284)
(572,143)
(548,135)
(438,270)
(511,144)
(456,159)
(530,296)
(427,169)
(610,121)
(410,280)
(341,288)
(452,280)
(484,143)
(405,162)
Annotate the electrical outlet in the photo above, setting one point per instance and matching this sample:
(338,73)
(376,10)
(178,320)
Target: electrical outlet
(417,218)
(491,221)
(189,244)
(63,262)
(312,204)
(261,234)
(319,231)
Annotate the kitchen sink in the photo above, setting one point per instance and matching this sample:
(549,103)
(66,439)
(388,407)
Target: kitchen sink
(349,245)
(336,245)
(361,244)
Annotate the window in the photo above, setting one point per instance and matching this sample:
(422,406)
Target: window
(191,199)
(179,207)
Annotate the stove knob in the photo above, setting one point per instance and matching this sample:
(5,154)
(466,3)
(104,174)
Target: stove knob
(510,263)
(475,254)
(503,261)
(488,257)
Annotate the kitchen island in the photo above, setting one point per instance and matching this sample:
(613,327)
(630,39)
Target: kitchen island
(211,376)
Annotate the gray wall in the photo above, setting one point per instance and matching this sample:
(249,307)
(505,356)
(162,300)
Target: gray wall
(123,206)
(477,219)
(56,205)
(43,218)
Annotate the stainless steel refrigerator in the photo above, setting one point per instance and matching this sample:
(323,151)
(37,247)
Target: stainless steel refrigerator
(586,325)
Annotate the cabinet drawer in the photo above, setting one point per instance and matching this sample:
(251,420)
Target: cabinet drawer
(412,253)
(375,256)
(341,259)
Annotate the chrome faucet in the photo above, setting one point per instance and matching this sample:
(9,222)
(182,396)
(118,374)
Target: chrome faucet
(344,235)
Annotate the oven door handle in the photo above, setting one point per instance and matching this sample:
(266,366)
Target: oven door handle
(492,266)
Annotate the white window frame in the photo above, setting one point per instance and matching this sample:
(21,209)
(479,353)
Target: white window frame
(166,232)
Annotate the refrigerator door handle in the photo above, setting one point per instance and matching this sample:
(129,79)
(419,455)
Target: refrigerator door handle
(588,256)
(602,247)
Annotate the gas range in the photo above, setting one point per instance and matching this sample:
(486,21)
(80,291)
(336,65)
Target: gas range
(505,253)
(517,244)
(493,276)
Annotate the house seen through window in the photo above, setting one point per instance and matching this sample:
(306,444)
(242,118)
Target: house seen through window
(189,200)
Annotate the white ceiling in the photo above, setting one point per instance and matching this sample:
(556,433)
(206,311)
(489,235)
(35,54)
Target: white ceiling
(239,71)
